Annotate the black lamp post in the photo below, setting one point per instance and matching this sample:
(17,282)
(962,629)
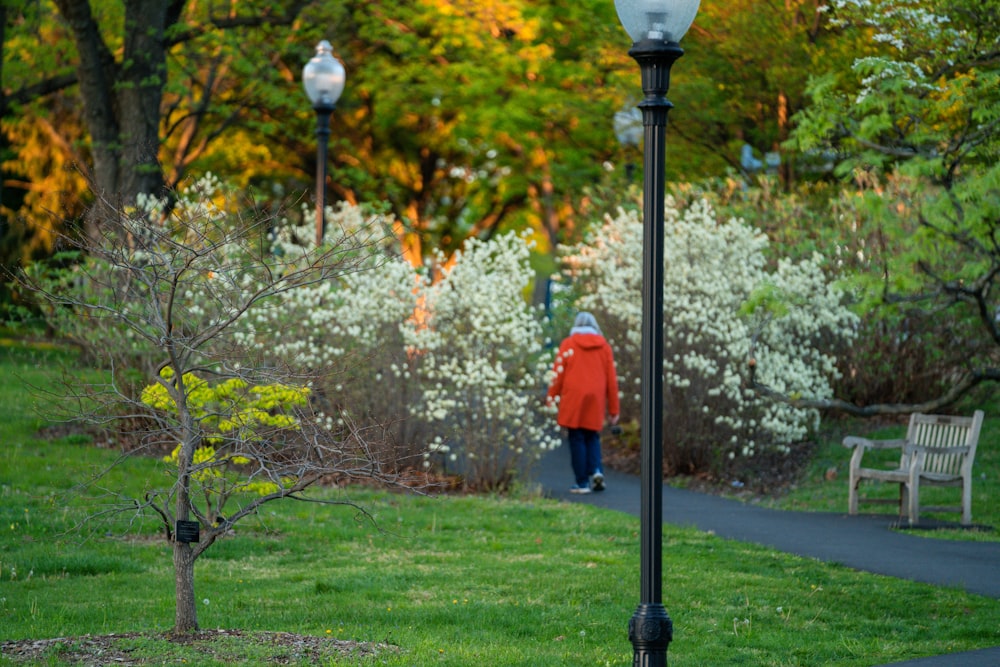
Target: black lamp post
(323,78)
(655,27)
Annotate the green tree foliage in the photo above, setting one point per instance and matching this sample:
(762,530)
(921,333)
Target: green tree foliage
(464,116)
(468,117)
(919,129)
(744,77)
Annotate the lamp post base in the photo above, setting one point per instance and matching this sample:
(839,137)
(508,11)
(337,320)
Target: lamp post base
(650,631)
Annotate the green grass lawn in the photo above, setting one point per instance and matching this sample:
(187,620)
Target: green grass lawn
(448,580)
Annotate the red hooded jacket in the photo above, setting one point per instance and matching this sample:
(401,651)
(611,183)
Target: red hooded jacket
(585,382)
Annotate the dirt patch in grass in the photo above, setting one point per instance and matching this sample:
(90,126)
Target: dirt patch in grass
(274,648)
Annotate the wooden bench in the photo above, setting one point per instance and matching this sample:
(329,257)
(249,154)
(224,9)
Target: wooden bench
(937,451)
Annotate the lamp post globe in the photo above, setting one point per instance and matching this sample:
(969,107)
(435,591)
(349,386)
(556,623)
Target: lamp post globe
(656,27)
(323,78)
(659,20)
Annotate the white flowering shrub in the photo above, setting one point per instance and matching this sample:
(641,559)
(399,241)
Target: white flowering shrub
(481,363)
(351,328)
(720,301)
(446,375)
(446,371)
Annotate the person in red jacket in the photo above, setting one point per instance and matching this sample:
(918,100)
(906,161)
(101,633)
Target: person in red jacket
(585,388)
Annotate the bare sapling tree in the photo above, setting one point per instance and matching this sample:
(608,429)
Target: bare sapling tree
(168,300)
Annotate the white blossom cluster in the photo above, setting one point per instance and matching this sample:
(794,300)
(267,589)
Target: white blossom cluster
(479,347)
(316,325)
(440,372)
(346,332)
(451,364)
(909,28)
(878,71)
(720,298)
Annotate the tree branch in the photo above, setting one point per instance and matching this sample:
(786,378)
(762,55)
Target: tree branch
(957,391)
(228,22)
(59,82)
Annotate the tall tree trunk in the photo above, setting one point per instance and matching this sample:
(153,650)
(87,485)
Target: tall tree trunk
(97,74)
(144,74)
(122,101)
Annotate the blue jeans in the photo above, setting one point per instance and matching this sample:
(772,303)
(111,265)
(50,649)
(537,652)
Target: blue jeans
(585,453)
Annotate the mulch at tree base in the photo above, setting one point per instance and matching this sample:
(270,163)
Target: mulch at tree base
(221,645)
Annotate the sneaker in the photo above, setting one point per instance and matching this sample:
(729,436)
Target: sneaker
(579,489)
(597,481)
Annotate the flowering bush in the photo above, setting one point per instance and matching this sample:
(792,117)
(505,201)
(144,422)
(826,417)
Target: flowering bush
(479,355)
(348,329)
(438,373)
(720,304)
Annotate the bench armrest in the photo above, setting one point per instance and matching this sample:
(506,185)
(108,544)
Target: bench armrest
(853,442)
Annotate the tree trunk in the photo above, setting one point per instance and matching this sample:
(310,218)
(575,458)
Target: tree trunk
(144,75)
(122,101)
(186,613)
(97,76)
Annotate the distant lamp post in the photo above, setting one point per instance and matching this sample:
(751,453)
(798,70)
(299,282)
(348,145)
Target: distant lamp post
(323,78)
(656,27)
(628,131)
(749,163)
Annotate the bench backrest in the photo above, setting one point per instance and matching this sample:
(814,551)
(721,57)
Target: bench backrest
(940,431)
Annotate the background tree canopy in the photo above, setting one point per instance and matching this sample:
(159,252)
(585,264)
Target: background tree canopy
(918,128)
(462,116)
(465,118)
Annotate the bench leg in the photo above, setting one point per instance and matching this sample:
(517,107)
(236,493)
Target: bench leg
(852,494)
(966,502)
(914,504)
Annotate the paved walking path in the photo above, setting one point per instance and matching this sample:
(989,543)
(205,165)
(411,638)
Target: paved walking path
(862,542)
